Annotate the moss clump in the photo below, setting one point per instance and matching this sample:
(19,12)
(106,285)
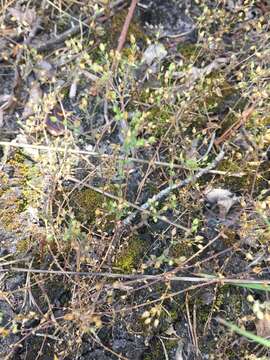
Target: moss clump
(230,237)
(226,298)
(231,299)
(12,204)
(130,254)
(4,182)
(17,196)
(86,204)
(23,245)
(180,250)
(12,198)
(244,182)
(156,350)
(25,174)
(216,91)
(189,51)
(158,120)
(235,183)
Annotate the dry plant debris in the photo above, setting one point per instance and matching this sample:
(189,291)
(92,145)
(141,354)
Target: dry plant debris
(134,179)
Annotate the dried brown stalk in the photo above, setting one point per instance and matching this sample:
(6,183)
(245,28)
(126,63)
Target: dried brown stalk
(243,119)
(123,35)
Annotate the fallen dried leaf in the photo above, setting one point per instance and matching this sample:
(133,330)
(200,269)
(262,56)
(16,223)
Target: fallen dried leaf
(35,96)
(8,101)
(1,118)
(263,326)
(73,90)
(54,122)
(154,52)
(215,195)
(171,331)
(44,71)
(4,98)
(196,73)
(223,198)
(24,16)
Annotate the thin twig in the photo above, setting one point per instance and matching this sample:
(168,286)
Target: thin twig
(50,44)
(139,277)
(212,141)
(191,329)
(89,153)
(123,35)
(201,250)
(164,349)
(107,156)
(244,117)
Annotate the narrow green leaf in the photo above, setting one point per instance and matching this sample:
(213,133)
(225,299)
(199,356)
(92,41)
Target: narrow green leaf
(258,339)
(262,287)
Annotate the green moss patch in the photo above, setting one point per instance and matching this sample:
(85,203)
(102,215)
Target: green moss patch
(86,204)
(131,254)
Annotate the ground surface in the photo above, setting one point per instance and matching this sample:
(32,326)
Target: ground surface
(134,200)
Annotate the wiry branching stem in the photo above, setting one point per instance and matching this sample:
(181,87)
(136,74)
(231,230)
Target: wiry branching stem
(165,192)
